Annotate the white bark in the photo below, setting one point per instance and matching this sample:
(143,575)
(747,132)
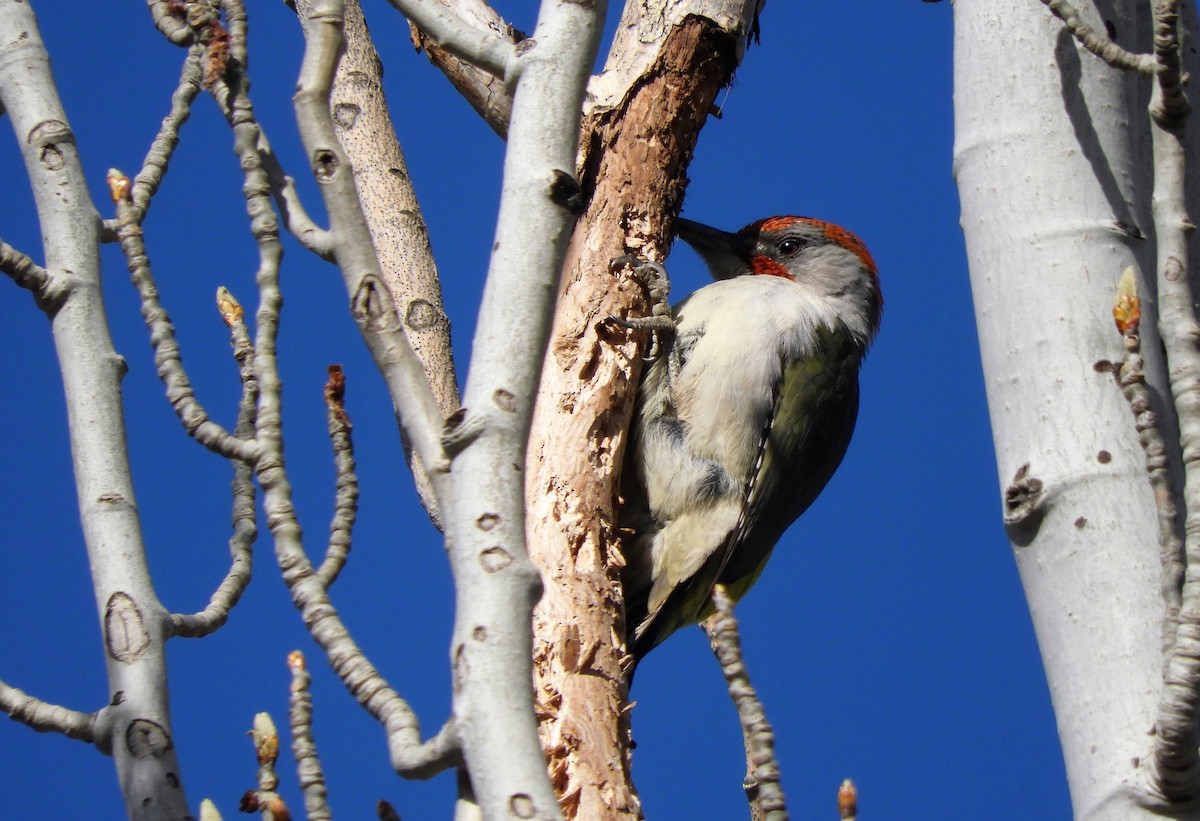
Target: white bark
(135,727)
(1050,158)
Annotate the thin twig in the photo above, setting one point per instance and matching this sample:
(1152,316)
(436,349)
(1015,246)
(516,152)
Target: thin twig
(1176,762)
(167,357)
(265,798)
(1127,313)
(1097,43)
(761,784)
(408,755)
(304,749)
(162,148)
(345,503)
(245,529)
(26,273)
(46,717)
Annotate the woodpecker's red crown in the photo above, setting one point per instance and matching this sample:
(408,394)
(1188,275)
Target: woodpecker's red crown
(818,255)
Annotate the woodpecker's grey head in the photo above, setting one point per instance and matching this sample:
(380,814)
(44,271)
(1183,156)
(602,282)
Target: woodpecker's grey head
(829,261)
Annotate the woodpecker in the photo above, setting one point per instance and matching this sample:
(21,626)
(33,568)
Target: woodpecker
(742,420)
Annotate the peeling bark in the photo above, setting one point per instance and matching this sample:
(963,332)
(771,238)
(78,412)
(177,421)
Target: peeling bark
(636,155)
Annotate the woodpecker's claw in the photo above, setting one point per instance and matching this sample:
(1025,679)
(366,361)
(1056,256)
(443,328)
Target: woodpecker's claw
(654,276)
(651,274)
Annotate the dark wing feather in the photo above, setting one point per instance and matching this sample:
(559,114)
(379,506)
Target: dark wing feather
(802,444)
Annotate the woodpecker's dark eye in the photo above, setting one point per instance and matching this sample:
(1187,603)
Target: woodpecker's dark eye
(790,247)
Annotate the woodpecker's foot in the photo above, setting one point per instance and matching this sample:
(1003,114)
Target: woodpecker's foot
(660,323)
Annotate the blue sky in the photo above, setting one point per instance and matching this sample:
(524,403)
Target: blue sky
(888,638)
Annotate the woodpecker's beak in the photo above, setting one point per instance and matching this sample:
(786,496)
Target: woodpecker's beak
(727,255)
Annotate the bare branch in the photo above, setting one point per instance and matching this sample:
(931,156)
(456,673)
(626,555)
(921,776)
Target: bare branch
(345,503)
(158,157)
(375,313)
(304,749)
(480,47)
(167,357)
(1176,759)
(173,26)
(45,717)
(761,784)
(295,219)
(1097,43)
(1171,108)
(353,248)
(310,596)
(29,275)
(135,624)
(267,170)
(245,530)
(364,129)
(1127,313)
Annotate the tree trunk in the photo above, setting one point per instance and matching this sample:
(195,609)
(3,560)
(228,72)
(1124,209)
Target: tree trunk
(1051,159)
(636,147)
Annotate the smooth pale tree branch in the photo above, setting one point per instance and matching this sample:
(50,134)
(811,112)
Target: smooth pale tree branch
(304,748)
(485,91)
(245,529)
(295,218)
(373,309)
(363,126)
(345,501)
(1097,43)
(353,250)
(496,584)
(481,47)
(308,593)
(761,784)
(45,717)
(1176,759)
(134,623)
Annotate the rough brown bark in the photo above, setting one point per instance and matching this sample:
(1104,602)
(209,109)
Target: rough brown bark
(635,158)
